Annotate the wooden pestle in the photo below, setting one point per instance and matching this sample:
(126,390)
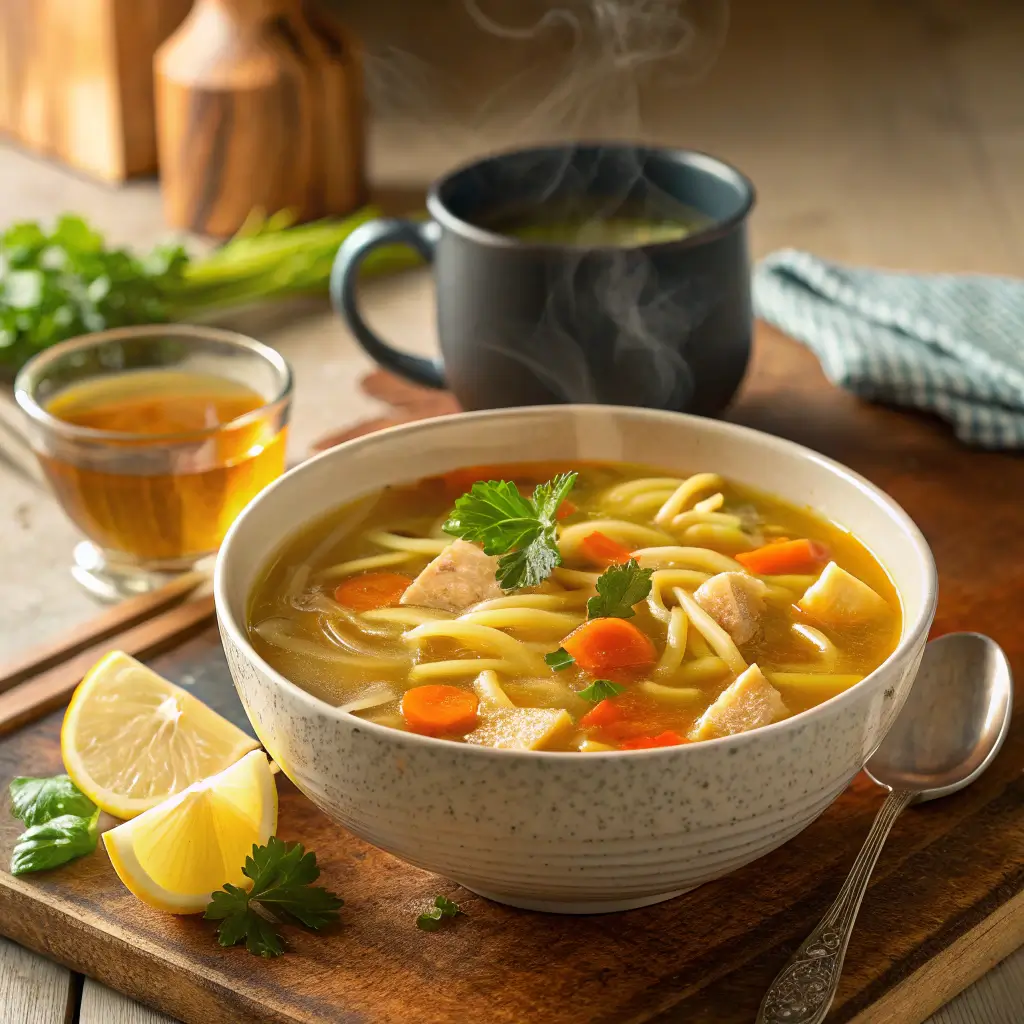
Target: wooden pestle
(259,106)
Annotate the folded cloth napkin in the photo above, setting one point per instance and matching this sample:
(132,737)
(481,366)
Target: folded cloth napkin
(951,344)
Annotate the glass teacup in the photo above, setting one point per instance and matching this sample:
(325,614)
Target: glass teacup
(153,439)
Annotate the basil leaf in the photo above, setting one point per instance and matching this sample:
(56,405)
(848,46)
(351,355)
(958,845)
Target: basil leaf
(54,842)
(35,801)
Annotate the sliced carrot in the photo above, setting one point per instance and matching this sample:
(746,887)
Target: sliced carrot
(437,709)
(602,714)
(566,509)
(603,550)
(371,590)
(791,556)
(606,644)
(666,739)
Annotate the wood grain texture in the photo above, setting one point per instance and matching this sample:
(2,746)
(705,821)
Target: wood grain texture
(943,905)
(101,1005)
(76,79)
(33,989)
(106,625)
(259,106)
(33,697)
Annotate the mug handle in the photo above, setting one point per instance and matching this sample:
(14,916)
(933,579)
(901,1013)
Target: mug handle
(345,272)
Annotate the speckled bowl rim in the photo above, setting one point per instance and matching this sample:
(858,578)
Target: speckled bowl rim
(913,632)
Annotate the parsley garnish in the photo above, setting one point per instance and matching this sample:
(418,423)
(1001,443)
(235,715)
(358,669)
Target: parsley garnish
(620,587)
(520,529)
(281,877)
(559,659)
(433,918)
(600,689)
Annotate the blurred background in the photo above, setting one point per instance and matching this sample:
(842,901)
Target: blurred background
(888,134)
(875,132)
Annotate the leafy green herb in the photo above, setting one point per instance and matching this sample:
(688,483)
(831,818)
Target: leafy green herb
(282,878)
(620,587)
(54,842)
(520,529)
(442,909)
(35,801)
(560,659)
(600,689)
(65,282)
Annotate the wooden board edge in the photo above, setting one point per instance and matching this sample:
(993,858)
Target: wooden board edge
(185,992)
(948,973)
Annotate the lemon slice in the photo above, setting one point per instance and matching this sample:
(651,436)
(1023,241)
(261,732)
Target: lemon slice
(176,855)
(131,739)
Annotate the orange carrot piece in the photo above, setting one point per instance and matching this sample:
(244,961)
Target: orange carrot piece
(435,709)
(602,714)
(371,590)
(606,644)
(603,550)
(666,739)
(791,556)
(566,509)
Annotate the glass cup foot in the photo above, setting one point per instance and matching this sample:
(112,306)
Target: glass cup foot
(109,580)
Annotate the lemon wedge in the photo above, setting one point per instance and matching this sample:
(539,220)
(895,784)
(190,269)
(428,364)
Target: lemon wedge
(176,855)
(131,739)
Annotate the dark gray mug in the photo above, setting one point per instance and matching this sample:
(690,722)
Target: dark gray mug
(665,324)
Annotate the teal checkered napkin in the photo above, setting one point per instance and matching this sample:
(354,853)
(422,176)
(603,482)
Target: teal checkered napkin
(950,344)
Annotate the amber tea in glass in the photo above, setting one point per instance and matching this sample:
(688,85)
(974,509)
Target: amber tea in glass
(153,440)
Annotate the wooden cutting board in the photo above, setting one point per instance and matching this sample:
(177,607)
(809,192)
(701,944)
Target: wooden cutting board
(945,903)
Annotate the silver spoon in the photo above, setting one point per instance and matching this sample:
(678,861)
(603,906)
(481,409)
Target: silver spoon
(951,727)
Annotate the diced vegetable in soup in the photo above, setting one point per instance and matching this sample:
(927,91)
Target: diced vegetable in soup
(592,607)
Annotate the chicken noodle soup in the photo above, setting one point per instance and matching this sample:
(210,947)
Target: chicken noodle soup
(592,607)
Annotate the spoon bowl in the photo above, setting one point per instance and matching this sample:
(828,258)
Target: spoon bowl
(953,722)
(947,733)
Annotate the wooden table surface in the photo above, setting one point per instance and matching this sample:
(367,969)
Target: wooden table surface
(882,134)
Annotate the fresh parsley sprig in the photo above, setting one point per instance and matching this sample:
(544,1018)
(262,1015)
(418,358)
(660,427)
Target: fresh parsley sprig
(282,877)
(620,587)
(520,529)
(442,910)
(600,689)
(62,823)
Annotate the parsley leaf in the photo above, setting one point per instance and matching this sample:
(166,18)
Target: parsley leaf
(54,842)
(520,529)
(620,587)
(281,877)
(443,908)
(38,800)
(560,659)
(600,689)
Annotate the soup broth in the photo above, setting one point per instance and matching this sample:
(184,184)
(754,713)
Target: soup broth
(596,222)
(738,610)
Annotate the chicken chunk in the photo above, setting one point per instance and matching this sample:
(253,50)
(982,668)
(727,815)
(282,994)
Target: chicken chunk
(521,728)
(460,576)
(735,601)
(748,703)
(838,598)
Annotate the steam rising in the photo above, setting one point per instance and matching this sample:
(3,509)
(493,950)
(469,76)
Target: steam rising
(577,68)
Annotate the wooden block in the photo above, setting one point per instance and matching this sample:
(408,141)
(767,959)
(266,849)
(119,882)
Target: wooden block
(76,80)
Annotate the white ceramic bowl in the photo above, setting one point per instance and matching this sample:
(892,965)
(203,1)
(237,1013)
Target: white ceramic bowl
(570,832)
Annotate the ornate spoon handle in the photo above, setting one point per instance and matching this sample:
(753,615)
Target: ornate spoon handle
(803,990)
